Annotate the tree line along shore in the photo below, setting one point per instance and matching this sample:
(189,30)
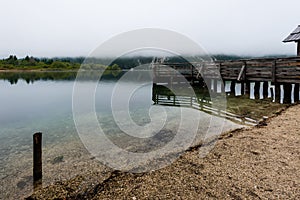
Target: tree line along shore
(12,62)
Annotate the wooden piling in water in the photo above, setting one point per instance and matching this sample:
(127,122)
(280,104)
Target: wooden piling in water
(232,88)
(272,94)
(256,89)
(242,88)
(247,88)
(265,89)
(277,93)
(296,92)
(287,93)
(37,157)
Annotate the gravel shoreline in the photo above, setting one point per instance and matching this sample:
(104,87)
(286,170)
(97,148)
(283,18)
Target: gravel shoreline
(251,163)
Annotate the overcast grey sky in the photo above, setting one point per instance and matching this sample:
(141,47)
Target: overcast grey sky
(76,27)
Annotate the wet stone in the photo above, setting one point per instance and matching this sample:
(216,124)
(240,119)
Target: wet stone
(58,159)
(21,184)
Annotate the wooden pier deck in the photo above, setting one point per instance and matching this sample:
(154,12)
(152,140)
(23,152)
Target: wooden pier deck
(280,72)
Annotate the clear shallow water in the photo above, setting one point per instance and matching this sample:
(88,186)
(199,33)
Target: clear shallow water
(45,105)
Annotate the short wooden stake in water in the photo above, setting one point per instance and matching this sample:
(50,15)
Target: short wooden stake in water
(37,157)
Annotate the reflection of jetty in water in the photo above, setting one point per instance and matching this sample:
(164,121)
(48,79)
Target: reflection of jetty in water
(162,95)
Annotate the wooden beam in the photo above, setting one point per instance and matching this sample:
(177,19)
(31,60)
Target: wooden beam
(242,73)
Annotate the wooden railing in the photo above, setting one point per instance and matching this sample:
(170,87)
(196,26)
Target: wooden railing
(276,70)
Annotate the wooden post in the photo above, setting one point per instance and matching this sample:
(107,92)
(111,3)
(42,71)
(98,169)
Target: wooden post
(287,93)
(256,89)
(247,88)
(298,48)
(242,88)
(265,89)
(296,92)
(272,94)
(37,157)
(232,88)
(277,93)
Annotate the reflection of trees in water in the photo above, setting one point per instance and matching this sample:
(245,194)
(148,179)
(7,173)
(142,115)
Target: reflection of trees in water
(31,77)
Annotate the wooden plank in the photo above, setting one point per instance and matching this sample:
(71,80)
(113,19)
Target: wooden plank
(242,73)
(288,81)
(268,73)
(259,79)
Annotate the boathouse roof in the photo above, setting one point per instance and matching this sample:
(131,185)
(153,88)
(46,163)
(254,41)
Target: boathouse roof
(294,36)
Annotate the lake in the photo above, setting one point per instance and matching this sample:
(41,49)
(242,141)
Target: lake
(42,102)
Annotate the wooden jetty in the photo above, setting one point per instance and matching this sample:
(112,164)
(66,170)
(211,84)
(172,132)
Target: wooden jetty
(280,72)
(278,76)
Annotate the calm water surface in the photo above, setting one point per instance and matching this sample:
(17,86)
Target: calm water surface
(33,102)
(42,102)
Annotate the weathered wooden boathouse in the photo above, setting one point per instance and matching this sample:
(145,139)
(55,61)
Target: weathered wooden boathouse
(294,37)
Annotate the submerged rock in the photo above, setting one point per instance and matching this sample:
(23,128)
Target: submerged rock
(58,159)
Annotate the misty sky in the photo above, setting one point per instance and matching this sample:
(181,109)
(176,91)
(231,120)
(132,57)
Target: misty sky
(75,27)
